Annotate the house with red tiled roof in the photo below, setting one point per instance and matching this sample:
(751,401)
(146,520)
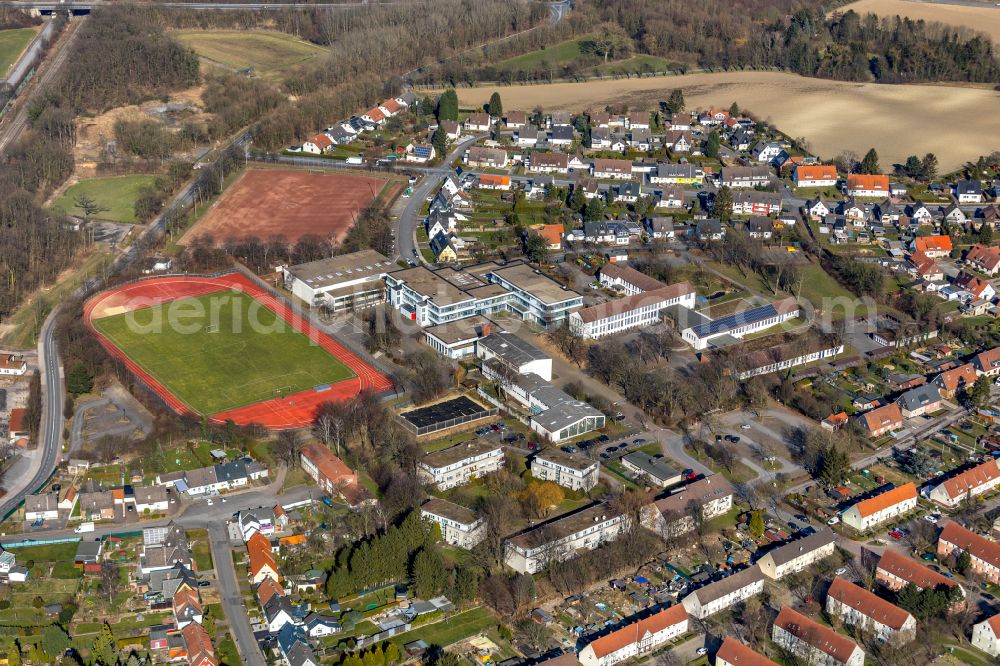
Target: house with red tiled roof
(638,637)
(552,235)
(318,144)
(885,506)
(268,589)
(881,420)
(926,268)
(390,107)
(867,185)
(187,607)
(330,473)
(813,642)
(374,115)
(895,571)
(199,646)
(815,175)
(932,246)
(967,484)
(950,382)
(262,563)
(734,653)
(976,286)
(857,607)
(986,635)
(987,362)
(985,258)
(985,554)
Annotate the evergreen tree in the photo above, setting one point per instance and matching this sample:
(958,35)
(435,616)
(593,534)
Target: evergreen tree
(440,142)
(429,573)
(930,166)
(985,234)
(913,168)
(963,562)
(105,650)
(712,144)
(448,105)
(734,110)
(676,101)
(79,380)
(722,204)
(757,524)
(14,655)
(869,163)
(392,655)
(495,107)
(979,392)
(835,467)
(594,210)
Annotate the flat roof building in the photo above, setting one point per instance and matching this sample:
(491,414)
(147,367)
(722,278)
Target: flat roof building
(459,526)
(559,539)
(459,464)
(457,339)
(740,324)
(518,355)
(567,470)
(342,283)
(652,470)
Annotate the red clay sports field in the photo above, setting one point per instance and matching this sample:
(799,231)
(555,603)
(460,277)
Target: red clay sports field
(290,411)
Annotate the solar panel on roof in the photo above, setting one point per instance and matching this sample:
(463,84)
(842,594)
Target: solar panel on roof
(732,321)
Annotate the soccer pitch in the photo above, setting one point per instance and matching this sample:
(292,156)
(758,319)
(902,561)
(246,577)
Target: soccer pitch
(221,351)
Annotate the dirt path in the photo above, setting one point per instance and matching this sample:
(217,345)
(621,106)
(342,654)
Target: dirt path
(833,116)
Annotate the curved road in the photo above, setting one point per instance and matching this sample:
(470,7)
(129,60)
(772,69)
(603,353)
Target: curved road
(50,432)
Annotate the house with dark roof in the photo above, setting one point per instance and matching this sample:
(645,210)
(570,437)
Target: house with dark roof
(794,556)
(724,593)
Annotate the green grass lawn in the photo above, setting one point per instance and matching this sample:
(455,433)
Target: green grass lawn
(55,552)
(116,193)
(269,53)
(555,55)
(251,355)
(822,289)
(449,631)
(12,43)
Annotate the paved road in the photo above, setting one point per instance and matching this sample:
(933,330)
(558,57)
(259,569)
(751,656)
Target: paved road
(50,433)
(229,594)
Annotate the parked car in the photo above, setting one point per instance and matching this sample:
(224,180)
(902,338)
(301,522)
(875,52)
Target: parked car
(841,571)
(745,426)
(603,438)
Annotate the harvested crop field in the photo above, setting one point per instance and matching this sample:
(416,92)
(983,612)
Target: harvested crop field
(981,19)
(284,202)
(268,53)
(833,116)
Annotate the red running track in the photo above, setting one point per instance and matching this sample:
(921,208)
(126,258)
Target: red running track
(292,411)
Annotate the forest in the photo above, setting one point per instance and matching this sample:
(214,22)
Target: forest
(748,34)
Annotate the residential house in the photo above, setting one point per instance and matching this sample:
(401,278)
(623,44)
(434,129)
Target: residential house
(260,520)
(561,538)
(759,227)
(451,129)
(549,163)
(950,382)
(675,513)
(98,505)
(487,158)
(660,227)
(13,364)
(987,363)
(895,571)
(375,116)
(926,268)
(968,191)
(679,142)
(817,208)
(986,635)
(552,235)
(420,153)
(330,473)
(612,169)
(317,145)
(734,653)
(857,607)
(972,482)
(457,465)
(815,175)
(198,646)
(636,638)
(725,593)
(794,556)
(459,526)
(640,139)
(975,285)
(709,229)
(187,607)
(954,215)
(478,122)
(680,122)
(985,258)
(881,420)
(984,553)
(883,507)
(754,202)
(527,136)
(865,185)
(600,137)
(766,152)
(668,173)
(925,399)
(561,136)
(920,214)
(932,246)
(514,120)
(566,470)
(261,564)
(637,120)
(887,212)
(814,643)
(745,177)
(670,197)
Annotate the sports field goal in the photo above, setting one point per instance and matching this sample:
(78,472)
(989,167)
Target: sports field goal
(282,390)
(211,328)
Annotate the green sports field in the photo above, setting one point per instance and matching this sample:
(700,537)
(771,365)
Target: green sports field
(221,351)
